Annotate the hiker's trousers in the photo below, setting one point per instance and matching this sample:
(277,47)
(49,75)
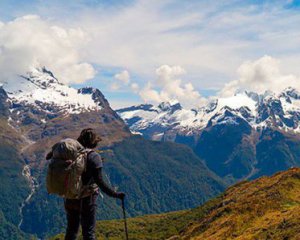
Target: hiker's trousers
(82,211)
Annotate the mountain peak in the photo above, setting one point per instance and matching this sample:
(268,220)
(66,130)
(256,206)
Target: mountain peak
(96,95)
(253,95)
(41,77)
(144,107)
(291,92)
(171,106)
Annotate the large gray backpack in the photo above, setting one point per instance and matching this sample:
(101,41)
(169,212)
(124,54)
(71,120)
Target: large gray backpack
(66,166)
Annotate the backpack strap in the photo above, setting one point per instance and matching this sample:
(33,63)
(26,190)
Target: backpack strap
(87,152)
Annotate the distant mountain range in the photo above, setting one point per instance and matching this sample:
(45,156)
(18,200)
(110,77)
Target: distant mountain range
(267,208)
(37,110)
(260,111)
(244,136)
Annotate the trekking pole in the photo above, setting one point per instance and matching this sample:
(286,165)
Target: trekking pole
(125,221)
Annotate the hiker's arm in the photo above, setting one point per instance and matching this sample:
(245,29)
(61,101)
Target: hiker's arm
(98,177)
(97,165)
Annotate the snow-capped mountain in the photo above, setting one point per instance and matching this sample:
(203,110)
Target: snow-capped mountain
(40,88)
(38,105)
(280,111)
(38,97)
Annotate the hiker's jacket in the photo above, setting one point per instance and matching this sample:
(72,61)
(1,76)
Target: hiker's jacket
(94,174)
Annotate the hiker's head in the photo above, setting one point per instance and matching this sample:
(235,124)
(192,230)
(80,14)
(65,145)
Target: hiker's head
(88,138)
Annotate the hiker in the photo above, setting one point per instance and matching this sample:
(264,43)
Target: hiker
(83,211)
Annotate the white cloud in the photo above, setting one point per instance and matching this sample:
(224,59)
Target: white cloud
(141,36)
(259,76)
(134,87)
(148,94)
(121,79)
(30,41)
(209,40)
(171,87)
(123,76)
(115,86)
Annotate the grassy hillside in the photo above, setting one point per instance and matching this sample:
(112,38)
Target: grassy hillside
(267,208)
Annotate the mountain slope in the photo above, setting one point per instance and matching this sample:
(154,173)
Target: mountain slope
(160,177)
(12,179)
(267,208)
(9,230)
(14,189)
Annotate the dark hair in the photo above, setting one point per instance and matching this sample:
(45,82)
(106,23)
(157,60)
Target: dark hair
(88,138)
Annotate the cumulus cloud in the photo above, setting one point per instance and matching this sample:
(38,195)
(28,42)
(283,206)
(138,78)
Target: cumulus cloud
(30,41)
(261,75)
(134,87)
(121,79)
(123,76)
(115,86)
(168,86)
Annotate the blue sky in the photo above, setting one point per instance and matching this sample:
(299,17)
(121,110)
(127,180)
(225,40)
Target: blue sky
(160,49)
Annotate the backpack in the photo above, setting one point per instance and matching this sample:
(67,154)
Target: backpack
(66,166)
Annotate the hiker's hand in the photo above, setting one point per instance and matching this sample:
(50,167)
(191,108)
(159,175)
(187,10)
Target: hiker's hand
(121,195)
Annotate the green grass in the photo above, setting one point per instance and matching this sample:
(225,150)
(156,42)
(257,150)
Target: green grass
(267,208)
(149,227)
